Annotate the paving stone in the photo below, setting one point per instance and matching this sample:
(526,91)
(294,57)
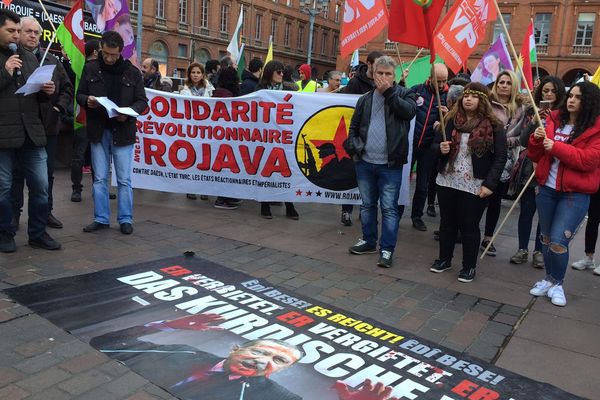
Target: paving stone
(38,363)
(50,394)
(323,283)
(71,349)
(490,303)
(449,315)
(297,282)
(83,362)
(308,290)
(9,375)
(484,309)
(440,325)
(346,285)
(286,274)
(334,293)
(125,385)
(454,346)
(42,380)
(506,318)
(431,305)
(465,299)
(511,310)
(36,347)
(482,350)
(492,338)
(496,327)
(419,292)
(84,382)
(12,392)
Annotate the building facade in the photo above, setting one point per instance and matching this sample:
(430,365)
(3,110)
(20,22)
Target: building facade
(567,36)
(176,32)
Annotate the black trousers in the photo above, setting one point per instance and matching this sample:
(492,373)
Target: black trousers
(494,206)
(460,210)
(426,160)
(18,183)
(80,145)
(591,229)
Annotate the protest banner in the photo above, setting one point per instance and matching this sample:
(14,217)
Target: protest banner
(57,13)
(266,146)
(494,61)
(203,331)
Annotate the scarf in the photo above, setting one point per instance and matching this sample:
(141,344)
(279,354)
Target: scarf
(481,136)
(197,91)
(113,75)
(151,80)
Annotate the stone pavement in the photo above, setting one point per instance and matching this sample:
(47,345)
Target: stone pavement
(494,318)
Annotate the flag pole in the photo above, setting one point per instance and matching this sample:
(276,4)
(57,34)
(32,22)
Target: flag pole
(439,100)
(539,121)
(398,54)
(47,15)
(514,54)
(537,64)
(415,58)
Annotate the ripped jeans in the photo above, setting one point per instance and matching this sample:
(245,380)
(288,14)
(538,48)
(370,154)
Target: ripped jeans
(560,214)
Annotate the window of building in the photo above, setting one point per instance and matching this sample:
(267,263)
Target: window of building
(300,38)
(274,29)
(585,29)
(204,6)
(202,56)
(258,25)
(498,26)
(541,27)
(336,44)
(158,50)
(324,39)
(160,9)
(326,9)
(182,50)
(288,3)
(133,5)
(224,26)
(337,12)
(183,13)
(286,34)
(242,30)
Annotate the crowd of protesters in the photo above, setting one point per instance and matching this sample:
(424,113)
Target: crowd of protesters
(472,147)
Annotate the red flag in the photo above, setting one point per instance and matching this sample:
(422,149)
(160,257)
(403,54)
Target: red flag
(413,24)
(7,2)
(363,20)
(527,51)
(461,30)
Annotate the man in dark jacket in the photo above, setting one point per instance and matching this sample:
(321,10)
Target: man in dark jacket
(59,102)
(251,76)
(378,143)
(152,77)
(425,157)
(22,138)
(116,78)
(361,83)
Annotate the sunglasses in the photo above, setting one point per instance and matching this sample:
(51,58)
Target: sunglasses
(279,72)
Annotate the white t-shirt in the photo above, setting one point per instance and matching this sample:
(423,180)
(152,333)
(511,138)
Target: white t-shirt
(561,135)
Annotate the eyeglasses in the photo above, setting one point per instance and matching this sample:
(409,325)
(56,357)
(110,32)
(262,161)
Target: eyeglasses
(32,31)
(279,72)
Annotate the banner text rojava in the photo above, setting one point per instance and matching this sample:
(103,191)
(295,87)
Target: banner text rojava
(266,146)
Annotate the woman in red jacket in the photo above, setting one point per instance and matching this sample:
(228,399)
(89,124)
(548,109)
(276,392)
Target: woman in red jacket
(567,153)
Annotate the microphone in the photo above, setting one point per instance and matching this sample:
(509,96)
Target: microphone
(13,47)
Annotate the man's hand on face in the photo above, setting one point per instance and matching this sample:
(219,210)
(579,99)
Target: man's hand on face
(13,62)
(48,88)
(366,392)
(381,84)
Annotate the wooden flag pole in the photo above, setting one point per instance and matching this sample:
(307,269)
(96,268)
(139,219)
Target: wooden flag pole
(537,116)
(516,57)
(398,54)
(415,58)
(47,15)
(439,100)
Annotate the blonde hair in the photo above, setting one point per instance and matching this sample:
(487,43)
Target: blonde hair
(515,101)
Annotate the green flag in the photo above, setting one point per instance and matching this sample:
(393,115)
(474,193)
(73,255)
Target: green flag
(419,72)
(70,36)
(241,64)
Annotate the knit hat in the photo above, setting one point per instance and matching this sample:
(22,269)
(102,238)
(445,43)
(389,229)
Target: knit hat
(306,70)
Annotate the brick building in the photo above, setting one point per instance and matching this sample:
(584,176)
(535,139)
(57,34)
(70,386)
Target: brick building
(567,36)
(176,32)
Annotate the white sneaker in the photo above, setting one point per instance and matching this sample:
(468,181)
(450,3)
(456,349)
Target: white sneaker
(540,288)
(558,296)
(597,271)
(584,263)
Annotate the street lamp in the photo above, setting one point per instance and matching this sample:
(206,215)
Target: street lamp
(312,8)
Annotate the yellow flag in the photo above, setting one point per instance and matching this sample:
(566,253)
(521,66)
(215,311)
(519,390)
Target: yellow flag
(596,78)
(269,56)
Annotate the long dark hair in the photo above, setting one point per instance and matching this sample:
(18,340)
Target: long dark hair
(484,108)
(559,86)
(270,68)
(229,79)
(590,108)
(189,82)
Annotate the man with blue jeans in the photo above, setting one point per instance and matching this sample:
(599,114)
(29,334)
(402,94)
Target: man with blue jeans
(22,138)
(378,143)
(113,77)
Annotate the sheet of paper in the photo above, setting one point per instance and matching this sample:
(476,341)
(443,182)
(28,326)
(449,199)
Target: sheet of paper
(36,80)
(114,110)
